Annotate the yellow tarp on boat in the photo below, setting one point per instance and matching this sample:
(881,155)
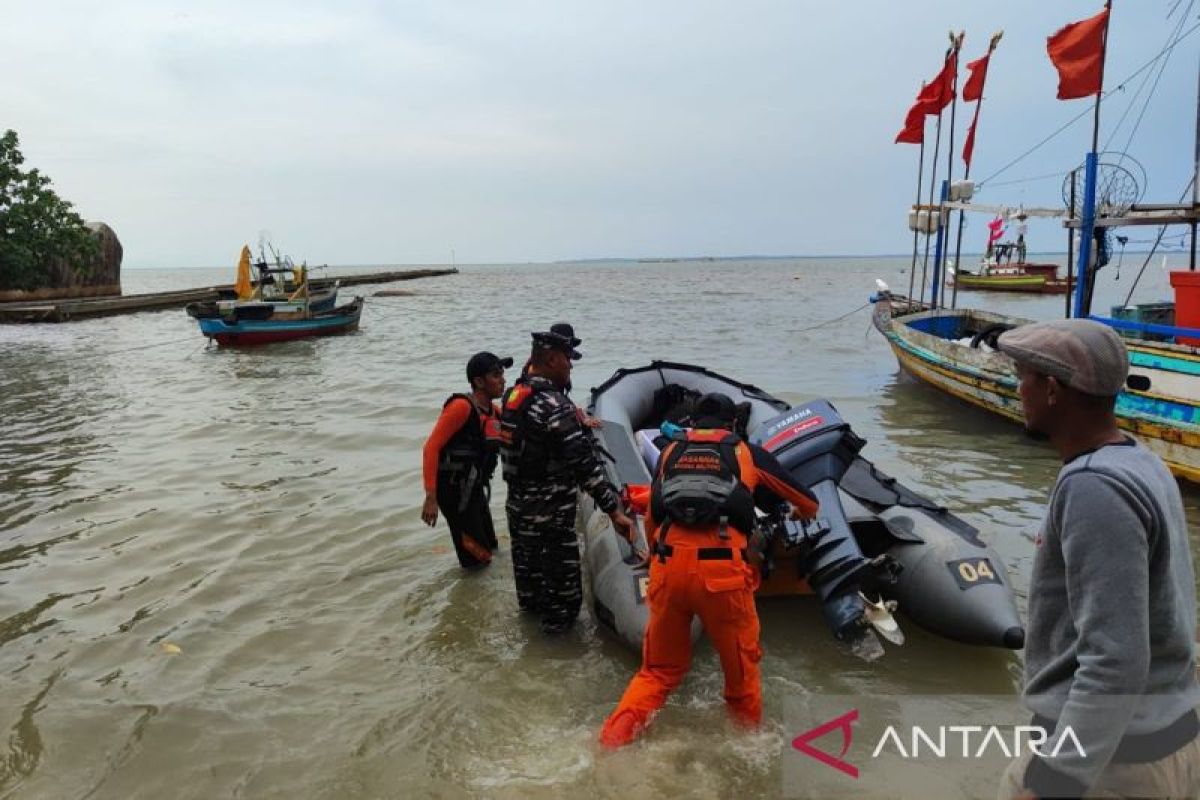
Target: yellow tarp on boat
(243,287)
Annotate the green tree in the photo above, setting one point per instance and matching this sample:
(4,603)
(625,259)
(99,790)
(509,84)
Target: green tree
(37,227)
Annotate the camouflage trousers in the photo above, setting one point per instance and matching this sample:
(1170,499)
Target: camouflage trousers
(546,567)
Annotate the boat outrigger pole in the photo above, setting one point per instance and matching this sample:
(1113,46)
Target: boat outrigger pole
(1087,228)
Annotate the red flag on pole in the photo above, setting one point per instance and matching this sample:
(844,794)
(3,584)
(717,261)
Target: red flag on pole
(969,144)
(973,88)
(1077,52)
(914,126)
(938,93)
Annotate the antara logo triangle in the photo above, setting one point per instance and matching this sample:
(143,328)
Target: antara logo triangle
(842,723)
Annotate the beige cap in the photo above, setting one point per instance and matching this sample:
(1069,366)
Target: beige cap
(1083,354)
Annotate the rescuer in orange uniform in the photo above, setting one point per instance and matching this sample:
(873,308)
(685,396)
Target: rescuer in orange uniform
(459,459)
(701,516)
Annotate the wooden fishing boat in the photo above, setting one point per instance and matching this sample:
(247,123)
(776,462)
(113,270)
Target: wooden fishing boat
(1030,284)
(953,351)
(282,305)
(246,330)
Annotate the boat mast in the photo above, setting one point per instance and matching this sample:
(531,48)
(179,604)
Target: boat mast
(1195,180)
(912,273)
(932,182)
(1087,227)
(937,143)
(943,241)
(967,172)
(1070,250)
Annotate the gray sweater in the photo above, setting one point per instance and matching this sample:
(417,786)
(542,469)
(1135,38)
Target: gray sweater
(1112,611)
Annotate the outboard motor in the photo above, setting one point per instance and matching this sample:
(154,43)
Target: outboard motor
(816,445)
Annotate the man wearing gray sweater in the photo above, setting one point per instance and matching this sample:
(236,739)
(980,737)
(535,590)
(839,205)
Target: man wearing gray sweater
(1110,651)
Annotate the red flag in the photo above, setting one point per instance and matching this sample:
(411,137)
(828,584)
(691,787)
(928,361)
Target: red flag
(973,88)
(969,144)
(996,230)
(1077,52)
(914,126)
(938,93)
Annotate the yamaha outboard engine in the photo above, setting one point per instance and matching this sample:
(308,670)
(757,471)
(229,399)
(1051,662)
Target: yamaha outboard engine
(816,446)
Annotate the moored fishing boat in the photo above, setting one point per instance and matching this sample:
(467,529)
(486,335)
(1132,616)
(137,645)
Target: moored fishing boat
(876,546)
(241,330)
(283,305)
(952,351)
(1011,282)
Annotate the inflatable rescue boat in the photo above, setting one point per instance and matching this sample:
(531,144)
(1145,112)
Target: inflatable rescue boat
(875,546)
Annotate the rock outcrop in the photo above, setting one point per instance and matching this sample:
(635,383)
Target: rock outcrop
(99,280)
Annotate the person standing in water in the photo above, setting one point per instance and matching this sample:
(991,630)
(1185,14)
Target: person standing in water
(547,459)
(702,502)
(460,458)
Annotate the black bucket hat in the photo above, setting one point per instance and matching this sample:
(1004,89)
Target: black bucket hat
(553,340)
(564,329)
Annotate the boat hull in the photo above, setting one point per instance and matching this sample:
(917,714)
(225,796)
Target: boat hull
(254,332)
(929,345)
(1028,284)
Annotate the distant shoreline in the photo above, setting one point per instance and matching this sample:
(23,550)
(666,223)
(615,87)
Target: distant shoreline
(647,260)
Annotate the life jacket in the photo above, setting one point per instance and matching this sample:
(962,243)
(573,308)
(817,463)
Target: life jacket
(700,482)
(523,456)
(474,446)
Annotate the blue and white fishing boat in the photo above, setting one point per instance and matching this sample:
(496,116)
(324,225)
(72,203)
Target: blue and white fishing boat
(282,305)
(237,330)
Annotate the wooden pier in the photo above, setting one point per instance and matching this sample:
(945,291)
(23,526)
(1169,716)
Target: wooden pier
(64,310)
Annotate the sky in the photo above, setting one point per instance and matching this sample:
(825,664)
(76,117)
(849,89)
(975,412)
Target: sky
(539,130)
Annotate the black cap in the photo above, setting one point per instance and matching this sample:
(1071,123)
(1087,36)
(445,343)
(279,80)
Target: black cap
(553,340)
(564,329)
(715,410)
(483,363)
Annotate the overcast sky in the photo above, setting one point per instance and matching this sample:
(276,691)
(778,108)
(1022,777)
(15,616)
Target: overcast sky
(394,132)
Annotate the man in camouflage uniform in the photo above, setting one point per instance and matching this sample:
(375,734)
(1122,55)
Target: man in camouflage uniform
(546,458)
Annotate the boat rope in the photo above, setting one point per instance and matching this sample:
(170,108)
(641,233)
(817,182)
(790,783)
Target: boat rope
(831,321)
(1015,181)
(1153,87)
(107,353)
(1088,111)
(1161,231)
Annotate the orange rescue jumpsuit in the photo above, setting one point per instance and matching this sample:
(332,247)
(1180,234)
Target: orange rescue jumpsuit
(707,576)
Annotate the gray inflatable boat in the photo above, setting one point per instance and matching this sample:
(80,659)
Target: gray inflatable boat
(875,547)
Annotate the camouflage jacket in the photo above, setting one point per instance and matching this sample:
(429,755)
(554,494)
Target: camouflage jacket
(547,452)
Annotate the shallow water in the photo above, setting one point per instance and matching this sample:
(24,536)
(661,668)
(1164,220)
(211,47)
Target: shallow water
(259,510)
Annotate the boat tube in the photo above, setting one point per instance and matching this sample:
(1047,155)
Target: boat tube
(874,547)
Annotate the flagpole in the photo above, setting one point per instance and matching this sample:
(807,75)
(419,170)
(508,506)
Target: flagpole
(1100,94)
(967,172)
(912,272)
(1070,248)
(943,240)
(1195,182)
(937,143)
(1087,227)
